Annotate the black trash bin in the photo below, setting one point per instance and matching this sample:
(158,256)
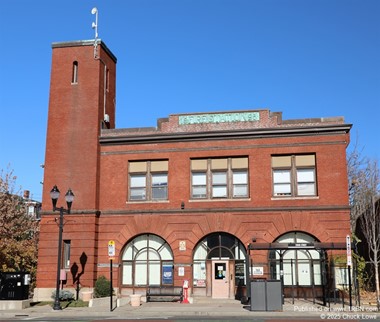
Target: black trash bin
(14,285)
(266,295)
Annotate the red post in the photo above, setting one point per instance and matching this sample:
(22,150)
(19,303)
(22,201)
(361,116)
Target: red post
(185,292)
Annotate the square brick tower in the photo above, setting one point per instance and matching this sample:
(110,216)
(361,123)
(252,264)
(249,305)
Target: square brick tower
(81,103)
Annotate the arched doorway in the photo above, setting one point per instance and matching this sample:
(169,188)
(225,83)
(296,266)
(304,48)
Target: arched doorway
(301,269)
(219,266)
(147,260)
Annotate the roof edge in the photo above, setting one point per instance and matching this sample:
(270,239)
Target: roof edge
(89,42)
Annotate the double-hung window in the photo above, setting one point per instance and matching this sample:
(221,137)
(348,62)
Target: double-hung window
(294,175)
(219,184)
(159,186)
(217,178)
(199,185)
(148,180)
(240,183)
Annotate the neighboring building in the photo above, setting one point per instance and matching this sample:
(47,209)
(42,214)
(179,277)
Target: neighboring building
(33,207)
(182,201)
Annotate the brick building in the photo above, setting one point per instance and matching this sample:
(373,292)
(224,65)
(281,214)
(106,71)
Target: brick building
(181,201)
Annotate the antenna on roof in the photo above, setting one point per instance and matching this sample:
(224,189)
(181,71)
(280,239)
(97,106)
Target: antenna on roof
(94,11)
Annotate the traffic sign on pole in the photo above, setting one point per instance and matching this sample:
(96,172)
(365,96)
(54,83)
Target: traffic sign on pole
(111,249)
(348,245)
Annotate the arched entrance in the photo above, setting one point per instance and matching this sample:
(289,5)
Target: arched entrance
(301,269)
(147,260)
(219,266)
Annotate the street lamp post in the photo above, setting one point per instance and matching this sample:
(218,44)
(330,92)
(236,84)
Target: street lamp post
(54,194)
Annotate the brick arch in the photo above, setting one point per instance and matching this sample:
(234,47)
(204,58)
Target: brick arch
(314,224)
(139,225)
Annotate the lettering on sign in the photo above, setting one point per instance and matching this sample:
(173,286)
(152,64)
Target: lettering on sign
(219,118)
(111,248)
(258,270)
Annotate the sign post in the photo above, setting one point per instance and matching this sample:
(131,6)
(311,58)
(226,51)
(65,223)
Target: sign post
(111,255)
(349,264)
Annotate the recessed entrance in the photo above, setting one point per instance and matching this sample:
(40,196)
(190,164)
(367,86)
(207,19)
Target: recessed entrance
(219,266)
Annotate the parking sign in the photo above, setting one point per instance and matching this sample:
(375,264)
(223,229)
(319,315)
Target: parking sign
(111,248)
(348,246)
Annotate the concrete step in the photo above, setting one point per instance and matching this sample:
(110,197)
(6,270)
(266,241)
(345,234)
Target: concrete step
(206,299)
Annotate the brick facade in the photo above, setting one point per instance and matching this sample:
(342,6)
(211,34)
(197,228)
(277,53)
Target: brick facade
(92,158)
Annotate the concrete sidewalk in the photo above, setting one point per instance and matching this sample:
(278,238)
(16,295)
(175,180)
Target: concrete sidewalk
(205,308)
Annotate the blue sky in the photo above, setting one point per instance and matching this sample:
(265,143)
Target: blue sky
(305,58)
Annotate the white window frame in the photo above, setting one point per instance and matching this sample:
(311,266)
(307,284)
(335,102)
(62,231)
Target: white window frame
(154,187)
(134,186)
(143,260)
(294,181)
(159,186)
(212,187)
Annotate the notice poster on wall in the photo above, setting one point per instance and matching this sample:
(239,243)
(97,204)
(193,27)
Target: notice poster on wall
(182,245)
(258,270)
(167,274)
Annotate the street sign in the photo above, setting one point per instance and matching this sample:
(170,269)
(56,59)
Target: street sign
(348,247)
(111,248)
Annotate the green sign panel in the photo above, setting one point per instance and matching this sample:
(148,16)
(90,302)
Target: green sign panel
(219,118)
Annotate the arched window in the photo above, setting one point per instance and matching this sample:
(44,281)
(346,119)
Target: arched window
(147,260)
(74,77)
(300,267)
(218,246)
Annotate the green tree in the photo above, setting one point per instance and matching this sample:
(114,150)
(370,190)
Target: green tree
(18,231)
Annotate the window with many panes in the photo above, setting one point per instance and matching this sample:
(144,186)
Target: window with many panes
(148,180)
(297,267)
(219,178)
(147,260)
(294,175)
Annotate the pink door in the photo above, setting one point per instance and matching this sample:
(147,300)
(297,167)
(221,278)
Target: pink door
(220,280)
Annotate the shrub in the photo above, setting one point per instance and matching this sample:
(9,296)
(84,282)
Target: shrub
(102,287)
(64,295)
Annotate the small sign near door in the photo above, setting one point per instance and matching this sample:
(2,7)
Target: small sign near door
(181,271)
(258,270)
(220,271)
(167,274)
